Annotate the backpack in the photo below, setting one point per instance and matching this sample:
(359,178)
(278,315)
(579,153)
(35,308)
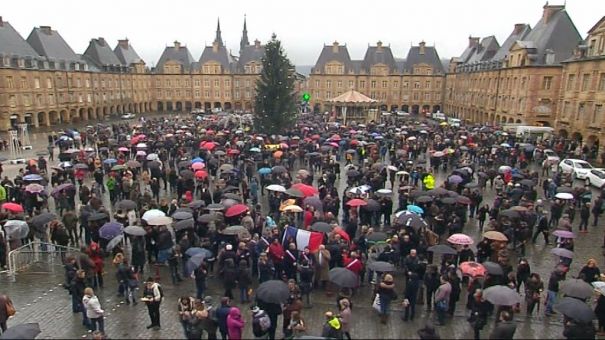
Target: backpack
(161,291)
(264,321)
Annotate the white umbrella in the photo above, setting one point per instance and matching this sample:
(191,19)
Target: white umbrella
(152,157)
(153,213)
(159,220)
(141,145)
(564,196)
(276,187)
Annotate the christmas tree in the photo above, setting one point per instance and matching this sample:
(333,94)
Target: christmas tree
(275,108)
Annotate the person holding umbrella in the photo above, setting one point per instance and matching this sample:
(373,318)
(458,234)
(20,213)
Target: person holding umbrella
(386,294)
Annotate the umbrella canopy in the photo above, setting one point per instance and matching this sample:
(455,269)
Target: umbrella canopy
(307,190)
(13,207)
(460,239)
(495,236)
(501,295)
(234,230)
(207,218)
(293,208)
(184,224)
(415,209)
(110,230)
(126,205)
(564,196)
(264,171)
(215,207)
(159,220)
(279,169)
(152,213)
(135,230)
(599,286)
(442,249)
(61,187)
(411,220)
(182,215)
(576,288)
(343,277)
(273,291)
(235,210)
(34,188)
(197,250)
(113,243)
(195,261)
(133,164)
(321,226)
(377,236)
(472,269)
(16,229)
(562,252)
(455,179)
(381,266)
(42,219)
(493,268)
(314,202)
(356,202)
(293,192)
(32,178)
(97,216)
(575,309)
(197,204)
(564,234)
(22,331)
(424,199)
(276,187)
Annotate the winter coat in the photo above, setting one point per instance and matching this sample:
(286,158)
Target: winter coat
(235,324)
(93,307)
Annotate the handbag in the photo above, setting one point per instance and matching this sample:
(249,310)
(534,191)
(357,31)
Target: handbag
(376,303)
(133,283)
(10,309)
(442,305)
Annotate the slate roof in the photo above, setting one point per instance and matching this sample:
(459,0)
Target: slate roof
(558,34)
(221,55)
(12,43)
(519,33)
(379,55)
(486,49)
(49,43)
(251,53)
(327,54)
(468,52)
(126,53)
(430,57)
(179,54)
(99,53)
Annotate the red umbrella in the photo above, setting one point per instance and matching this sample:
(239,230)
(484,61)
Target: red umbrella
(207,145)
(307,190)
(335,138)
(334,144)
(201,174)
(472,269)
(235,210)
(356,202)
(13,207)
(354,142)
(233,152)
(315,137)
(342,233)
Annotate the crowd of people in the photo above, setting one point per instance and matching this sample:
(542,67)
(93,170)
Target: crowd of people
(212,200)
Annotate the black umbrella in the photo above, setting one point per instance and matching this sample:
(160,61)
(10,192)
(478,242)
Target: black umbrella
(293,192)
(412,220)
(493,268)
(186,174)
(278,169)
(437,192)
(501,295)
(471,185)
(97,216)
(314,201)
(575,309)
(232,196)
(273,291)
(424,199)
(321,226)
(577,288)
(42,219)
(207,218)
(377,236)
(22,331)
(353,173)
(510,213)
(126,205)
(182,215)
(448,200)
(527,182)
(215,207)
(197,204)
(372,205)
(381,266)
(184,164)
(564,189)
(442,249)
(230,189)
(343,277)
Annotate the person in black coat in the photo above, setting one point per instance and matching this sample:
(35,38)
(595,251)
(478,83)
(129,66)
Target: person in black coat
(578,330)
(410,295)
(480,309)
(505,329)
(221,316)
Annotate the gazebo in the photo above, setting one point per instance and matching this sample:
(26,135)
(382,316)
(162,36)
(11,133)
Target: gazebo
(354,105)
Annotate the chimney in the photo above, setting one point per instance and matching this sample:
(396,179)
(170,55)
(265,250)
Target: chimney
(519,28)
(257,43)
(473,41)
(1,22)
(123,43)
(335,47)
(421,45)
(46,30)
(101,41)
(379,44)
(177,45)
(550,10)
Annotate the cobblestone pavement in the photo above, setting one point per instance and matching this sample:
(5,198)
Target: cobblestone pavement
(39,297)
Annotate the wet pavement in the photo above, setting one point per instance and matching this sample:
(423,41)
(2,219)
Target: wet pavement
(38,296)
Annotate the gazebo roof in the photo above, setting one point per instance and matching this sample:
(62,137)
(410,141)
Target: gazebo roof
(352,97)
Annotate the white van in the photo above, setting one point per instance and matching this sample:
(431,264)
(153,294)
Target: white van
(439,116)
(454,122)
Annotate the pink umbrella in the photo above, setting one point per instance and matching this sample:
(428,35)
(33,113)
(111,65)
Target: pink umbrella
(197,166)
(334,144)
(460,239)
(141,153)
(123,149)
(564,234)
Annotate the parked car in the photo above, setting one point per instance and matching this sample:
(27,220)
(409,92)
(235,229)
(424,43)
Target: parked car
(551,156)
(596,178)
(128,115)
(576,167)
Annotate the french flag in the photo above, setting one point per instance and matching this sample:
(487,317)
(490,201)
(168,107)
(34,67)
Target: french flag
(304,238)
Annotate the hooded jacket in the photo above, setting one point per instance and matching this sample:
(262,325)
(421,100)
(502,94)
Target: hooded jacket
(235,324)
(93,307)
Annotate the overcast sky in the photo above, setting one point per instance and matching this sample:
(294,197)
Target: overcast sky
(303,26)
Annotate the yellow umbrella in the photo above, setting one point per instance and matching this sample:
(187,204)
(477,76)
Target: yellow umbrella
(443,123)
(293,208)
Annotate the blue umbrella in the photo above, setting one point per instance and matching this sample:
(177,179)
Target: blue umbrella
(193,251)
(194,262)
(197,160)
(32,177)
(455,179)
(264,171)
(111,230)
(415,209)
(254,150)
(110,161)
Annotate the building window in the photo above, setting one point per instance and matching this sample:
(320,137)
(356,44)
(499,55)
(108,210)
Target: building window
(415,96)
(427,96)
(350,84)
(523,82)
(89,98)
(247,94)
(396,84)
(602,81)
(80,98)
(206,83)
(339,84)
(186,82)
(416,84)
(580,111)
(373,95)
(406,84)
(373,84)
(196,83)
(248,83)
(37,83)
(571,79)
(585,82)
(227,83)
(236,94)
(227,94)
(216,83)
(328,95)
(51,99)
(177,93)
(207,94)
(236,83)
(427,84)
(598,111)
(546,83)
(438,85)
(78,83)
(362,84)
(9,82)
(217,94)
(317,83)
(385,84)
(27,100)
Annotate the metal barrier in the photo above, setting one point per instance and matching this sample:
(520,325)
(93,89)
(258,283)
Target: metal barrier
(37,252)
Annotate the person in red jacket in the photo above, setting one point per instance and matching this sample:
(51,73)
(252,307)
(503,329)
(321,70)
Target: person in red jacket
(276,253)
(308,218)
(353,263)
(96,255)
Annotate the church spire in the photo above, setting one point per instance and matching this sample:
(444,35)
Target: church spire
(218,39)
(244,42)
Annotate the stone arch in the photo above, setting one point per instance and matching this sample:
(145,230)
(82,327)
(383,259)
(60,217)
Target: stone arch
(228,106)
(248,107)
(426,108)
(112,110)
(405,108)
(64,116)
(130,107)
(415,109)
(217,105)
(42,119)
(197,105)
(119,109)
(510,120)
(91,113)
(83,114)
(178,106)
(576,136)
(207,106)
(592,140)
(383,107)
(161,106)
(188,106)
(563,133)
(169,106)
(519,121)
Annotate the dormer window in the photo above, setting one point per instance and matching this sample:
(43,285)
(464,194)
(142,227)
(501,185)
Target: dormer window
(7,61)
(20,62)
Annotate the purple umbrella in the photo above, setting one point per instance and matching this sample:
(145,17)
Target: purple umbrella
(61,187)
(562,252)
(111,230)
(564,234)
(455,179)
